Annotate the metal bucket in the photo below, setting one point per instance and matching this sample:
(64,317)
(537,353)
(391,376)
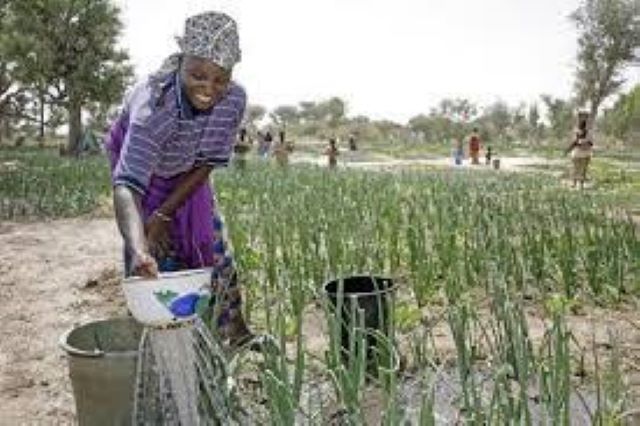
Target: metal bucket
(102,359)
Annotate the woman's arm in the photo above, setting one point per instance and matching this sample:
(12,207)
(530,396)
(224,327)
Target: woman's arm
(570,148)
(129,220)
(574,143)
(141,238)
(157,227)
(189,183)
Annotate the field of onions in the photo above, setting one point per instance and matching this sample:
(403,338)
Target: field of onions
(458,239)
(37,183)
(479,247)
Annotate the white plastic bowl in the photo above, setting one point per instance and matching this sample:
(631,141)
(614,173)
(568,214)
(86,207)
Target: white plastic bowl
(150,300)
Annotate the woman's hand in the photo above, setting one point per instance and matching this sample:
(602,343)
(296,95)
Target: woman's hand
(144,265)
(158,237)
(156,229)
(129,218)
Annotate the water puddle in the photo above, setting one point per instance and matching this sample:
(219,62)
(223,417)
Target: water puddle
(318,401)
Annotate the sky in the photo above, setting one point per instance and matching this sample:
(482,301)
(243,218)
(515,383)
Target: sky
(389,59)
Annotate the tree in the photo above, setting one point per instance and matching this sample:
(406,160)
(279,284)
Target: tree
(19,103)
(307,111)
(8,90)
(283,115)
(450,119)
(609,32)
(318,118)
(519,126)
(533,119)
(389,130)
(497,119)
(334,111)
(458,110)
(623,119)
(331,111)
(66,50)
(559,115)
(422,125)
(253,114)
(436,127)
(5,96)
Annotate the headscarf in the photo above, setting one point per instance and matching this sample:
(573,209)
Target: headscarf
(209,35)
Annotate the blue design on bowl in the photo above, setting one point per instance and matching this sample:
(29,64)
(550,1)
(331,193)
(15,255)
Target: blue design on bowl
(185,305)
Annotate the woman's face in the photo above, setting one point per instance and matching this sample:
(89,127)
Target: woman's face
(204,81)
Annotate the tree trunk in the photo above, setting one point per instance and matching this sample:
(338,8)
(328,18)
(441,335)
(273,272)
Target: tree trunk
(41,117)
(7,130)
(75,126)
(593,111)
(4,120)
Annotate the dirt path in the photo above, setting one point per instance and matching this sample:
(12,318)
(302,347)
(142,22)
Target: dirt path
(356,161)
(53,275)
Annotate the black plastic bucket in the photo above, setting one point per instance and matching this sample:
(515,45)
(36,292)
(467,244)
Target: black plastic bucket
(374,296)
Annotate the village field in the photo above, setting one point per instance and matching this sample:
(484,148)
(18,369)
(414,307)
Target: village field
(517,296)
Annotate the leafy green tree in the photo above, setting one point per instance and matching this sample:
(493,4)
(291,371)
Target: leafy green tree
(623,119)
(334,111)
(253,114)
(559,115)
(330,112)
(422,125)
(496,119)
(436,127)
(9,92)
(457,110)
(389,130)
(67,50)
(307,111)
(6,99)
(20,103)
(609,33)
(321,119)
(533,119)
(337,108)
(284,115)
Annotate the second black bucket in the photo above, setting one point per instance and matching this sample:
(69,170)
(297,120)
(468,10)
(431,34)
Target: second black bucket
(374,295)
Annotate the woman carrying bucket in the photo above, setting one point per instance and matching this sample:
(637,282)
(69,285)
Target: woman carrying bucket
(332,153)
(581,150)
(175,127)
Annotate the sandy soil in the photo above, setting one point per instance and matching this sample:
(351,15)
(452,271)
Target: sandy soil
(53,275)
(356,161)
